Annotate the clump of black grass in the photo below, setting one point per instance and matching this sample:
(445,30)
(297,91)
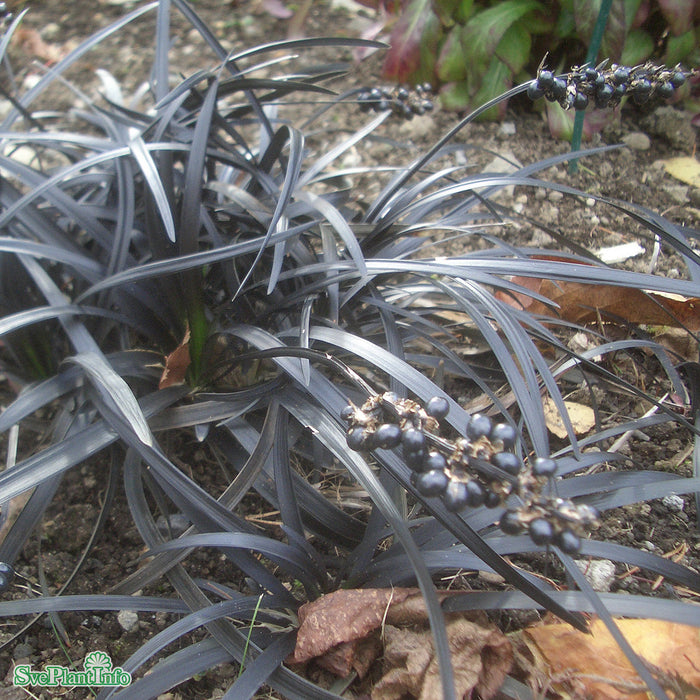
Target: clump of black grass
(178,270)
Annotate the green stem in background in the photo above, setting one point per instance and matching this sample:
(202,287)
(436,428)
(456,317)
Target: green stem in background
(199,331)
(593,48)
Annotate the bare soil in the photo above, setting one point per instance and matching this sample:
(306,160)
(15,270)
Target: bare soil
(635,174)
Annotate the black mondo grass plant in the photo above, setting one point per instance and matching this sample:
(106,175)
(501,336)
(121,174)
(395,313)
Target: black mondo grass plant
(185,278)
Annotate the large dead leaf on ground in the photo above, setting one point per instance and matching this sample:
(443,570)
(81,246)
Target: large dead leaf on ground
(348,629)
(594,665)
(480,657)
(586,303)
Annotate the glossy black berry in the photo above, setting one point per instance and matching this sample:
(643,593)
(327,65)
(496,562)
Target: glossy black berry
(545,78)
(402,94)
(347,413)
(665,90)
(413,440)
(510,523)
(619,91)
(456,496)
(535,91)
(508,462)
(541,531)
(356,438)
(476,494)
(505,434)
(437,407)
(432,483)
(427,105)
(478,426)
(415,460)
(621,75)
(491,499)
(434,460)
(558,89)
(678,79)
(569,542)
(603,95)
(387,436)
(641,91)
(580,101)
(365,101)
(544,466)
(590,74)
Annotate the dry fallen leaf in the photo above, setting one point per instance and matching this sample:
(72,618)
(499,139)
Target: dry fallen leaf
(585,303)
(595,664)
(679,341)
(30,40)
(481,658)
(582,417)
(176,364)
(347,630)
(684,168)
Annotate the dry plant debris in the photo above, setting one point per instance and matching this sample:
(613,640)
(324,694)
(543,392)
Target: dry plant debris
(350,629)
(594,667)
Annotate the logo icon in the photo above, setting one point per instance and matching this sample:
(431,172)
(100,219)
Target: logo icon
(98,671)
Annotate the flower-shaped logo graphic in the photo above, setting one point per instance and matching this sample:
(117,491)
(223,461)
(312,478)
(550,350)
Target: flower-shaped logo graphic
(97,660)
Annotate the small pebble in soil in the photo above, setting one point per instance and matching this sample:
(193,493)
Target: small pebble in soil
(637,141)
(128,620)
(674,503)
(599,573)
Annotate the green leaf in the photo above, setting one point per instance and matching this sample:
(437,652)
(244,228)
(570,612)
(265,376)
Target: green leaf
(408,39)
(429,50)
(631,9)
(497,80)
(514,48)
(484,31)
(615,32)
(638,47)
(446,11)
(560,122)
(565,25)
(465,11)
(538,22)
(455,96)
(679,48)
(586,14)
(451,66)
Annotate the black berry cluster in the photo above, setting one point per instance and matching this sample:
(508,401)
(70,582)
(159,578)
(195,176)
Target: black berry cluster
(605,87)
(478,469)
(403,101)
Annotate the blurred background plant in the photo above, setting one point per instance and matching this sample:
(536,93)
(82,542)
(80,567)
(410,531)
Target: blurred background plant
(472,51)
